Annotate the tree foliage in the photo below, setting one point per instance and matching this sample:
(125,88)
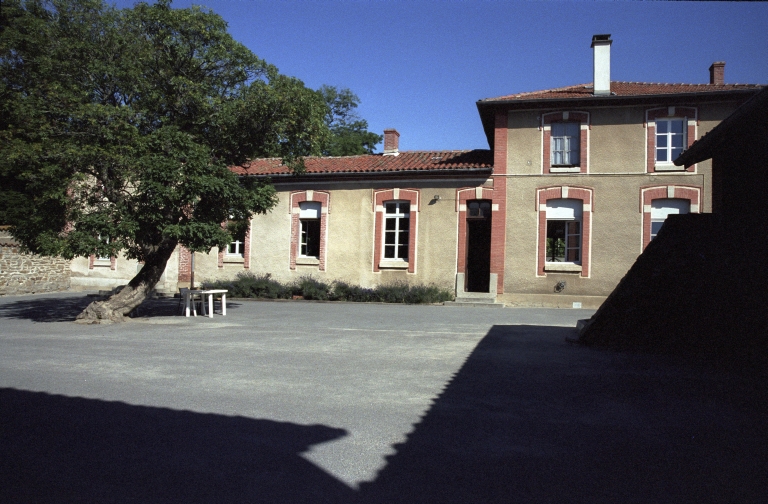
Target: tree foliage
(122,124)
(349,132)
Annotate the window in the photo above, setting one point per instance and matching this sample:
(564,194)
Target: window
(669,131)
(309,222)
(237,245)
(563,231)
(396,230)
(396,214)
(657,202)
(662,208)
(670,139)
(310,211)
(565,144)
(104,239)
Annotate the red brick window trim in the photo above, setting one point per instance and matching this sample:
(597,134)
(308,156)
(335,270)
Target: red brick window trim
(544,195)
(224,257)
(690,117)
(380,198)
(296,199)
(547,121)
(649,194)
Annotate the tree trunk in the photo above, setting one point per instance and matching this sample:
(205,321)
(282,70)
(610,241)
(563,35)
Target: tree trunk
(132,295)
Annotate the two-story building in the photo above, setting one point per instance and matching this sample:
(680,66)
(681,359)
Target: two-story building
(575,184)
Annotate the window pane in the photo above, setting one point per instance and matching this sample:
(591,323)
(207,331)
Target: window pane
(558,129)
(405,208)
(677,141)
(662,126)
(676,126)
(390,207)
(676,153)
(389,251)
(661,154)
(390,224)
(403,251)
(661,141)
(389,237)
(655,227)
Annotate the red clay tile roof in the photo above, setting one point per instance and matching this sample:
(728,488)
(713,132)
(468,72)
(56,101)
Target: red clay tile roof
(620,88)
(376,163)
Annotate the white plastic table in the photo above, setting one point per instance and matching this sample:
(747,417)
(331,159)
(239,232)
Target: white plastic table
(210,293)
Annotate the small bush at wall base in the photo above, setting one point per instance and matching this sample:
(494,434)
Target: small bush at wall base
(248,285)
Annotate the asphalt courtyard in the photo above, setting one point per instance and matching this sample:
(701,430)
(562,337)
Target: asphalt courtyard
(287,402)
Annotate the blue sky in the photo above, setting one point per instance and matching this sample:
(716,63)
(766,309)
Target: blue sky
(420,66)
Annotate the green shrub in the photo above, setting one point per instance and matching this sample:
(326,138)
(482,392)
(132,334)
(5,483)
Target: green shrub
(248,285)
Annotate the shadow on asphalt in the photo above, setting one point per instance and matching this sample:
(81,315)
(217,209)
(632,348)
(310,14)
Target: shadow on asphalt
(68,449)
(528,418)
(67,308)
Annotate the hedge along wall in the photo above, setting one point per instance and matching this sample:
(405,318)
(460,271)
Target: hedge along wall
(29,273)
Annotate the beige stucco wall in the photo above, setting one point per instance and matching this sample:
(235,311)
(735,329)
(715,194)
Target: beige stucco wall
(617,174)
(350,237)
(103,277)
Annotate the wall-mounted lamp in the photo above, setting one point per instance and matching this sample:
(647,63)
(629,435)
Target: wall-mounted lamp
(436,197)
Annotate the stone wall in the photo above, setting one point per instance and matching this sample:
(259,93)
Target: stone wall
(29,273)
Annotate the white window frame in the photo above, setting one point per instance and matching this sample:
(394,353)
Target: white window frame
(669,135)
(570,144)
(402,223)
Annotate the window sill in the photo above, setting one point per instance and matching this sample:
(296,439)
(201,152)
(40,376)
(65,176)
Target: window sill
(565,169)
(307,261)
(563,267)
(234,259)
(669,167)
(102,263)
(399,265)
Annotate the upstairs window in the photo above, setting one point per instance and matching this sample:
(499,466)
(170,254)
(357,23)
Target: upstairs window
(670,139)
(309,219)
(565,142)
(396,230)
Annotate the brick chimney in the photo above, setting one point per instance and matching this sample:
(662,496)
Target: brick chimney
(391,141)
(601,64)
(717,73)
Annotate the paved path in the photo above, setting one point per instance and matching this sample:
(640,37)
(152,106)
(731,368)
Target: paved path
(334,402)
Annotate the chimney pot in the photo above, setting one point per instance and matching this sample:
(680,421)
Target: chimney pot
(717,73)
(601,64)
(391,142)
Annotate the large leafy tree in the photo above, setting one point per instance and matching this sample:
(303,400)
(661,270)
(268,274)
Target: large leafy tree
(117,128)
(349,133)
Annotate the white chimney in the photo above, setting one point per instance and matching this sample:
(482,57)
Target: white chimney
(601,64)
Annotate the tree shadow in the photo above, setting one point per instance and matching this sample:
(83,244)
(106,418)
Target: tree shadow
(66,308)
(530,418)
(69,449)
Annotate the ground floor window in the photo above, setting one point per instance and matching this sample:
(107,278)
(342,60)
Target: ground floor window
(396,229)
(563,241)
(563,230)
(663,208)
(309,219)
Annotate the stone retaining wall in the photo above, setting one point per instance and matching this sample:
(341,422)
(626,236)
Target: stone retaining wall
(29,273)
